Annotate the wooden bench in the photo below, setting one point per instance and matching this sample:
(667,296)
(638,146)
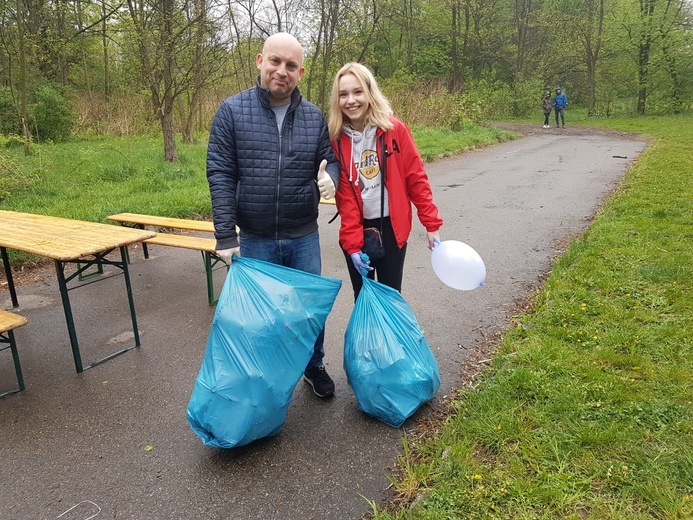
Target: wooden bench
(207,246)
(8,322)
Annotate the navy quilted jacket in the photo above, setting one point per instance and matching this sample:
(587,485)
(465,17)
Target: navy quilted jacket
(264,183)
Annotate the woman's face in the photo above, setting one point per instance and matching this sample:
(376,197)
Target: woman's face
(353,101)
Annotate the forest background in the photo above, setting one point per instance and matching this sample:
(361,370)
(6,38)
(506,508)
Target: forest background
(135,67)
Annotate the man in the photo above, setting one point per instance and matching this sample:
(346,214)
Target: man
(269,161)
(560,101)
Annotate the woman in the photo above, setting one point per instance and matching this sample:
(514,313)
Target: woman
(371,144)
(546,105)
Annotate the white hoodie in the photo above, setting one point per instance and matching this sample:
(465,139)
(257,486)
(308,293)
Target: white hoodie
(367,175)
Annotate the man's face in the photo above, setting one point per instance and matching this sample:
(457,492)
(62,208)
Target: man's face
(281,68)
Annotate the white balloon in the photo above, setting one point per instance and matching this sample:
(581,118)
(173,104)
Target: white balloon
(458,265)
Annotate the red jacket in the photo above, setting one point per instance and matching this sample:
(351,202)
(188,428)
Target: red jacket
(406,182)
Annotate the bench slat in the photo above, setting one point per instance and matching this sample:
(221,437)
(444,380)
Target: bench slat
(187,242)
(167,222)
(10,321)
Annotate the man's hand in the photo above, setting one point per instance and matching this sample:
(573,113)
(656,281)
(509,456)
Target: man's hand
(325,184)
(227,254)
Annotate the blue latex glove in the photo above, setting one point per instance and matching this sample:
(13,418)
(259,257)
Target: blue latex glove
(361,262)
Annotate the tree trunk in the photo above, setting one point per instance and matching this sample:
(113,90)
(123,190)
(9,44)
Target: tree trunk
(647,8)
(104,44)
(21,42)
(170,152)
(643,65)
(167,128)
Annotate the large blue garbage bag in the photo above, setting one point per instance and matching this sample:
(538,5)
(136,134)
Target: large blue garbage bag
(388,362)
(265,325)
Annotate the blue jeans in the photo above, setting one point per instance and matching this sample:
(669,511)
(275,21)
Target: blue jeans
(298,253)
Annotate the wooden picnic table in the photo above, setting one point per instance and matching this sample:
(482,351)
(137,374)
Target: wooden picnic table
(69,241)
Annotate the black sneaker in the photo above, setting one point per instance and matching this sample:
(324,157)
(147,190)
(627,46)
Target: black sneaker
(322,384)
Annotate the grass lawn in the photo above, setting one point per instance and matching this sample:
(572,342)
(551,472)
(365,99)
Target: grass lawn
(586,410)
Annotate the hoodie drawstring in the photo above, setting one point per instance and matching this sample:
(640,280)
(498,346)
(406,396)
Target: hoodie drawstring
(351,163)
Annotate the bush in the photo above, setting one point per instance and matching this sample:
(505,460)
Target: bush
(12,176)
(483,98)
(9,123)
(11,141)
(50,116)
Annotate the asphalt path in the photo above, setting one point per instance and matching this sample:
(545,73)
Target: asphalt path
(113,441)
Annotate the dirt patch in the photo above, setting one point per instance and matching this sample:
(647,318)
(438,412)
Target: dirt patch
(36,273)
(569,130)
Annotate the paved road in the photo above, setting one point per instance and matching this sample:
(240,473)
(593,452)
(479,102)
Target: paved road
(76,445)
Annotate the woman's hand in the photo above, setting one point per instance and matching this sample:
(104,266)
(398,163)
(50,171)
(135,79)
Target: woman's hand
(433,239)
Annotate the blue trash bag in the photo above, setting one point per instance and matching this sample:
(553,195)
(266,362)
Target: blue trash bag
(265,325)
(388,362)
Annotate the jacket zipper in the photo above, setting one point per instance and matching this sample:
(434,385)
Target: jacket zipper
(279,172)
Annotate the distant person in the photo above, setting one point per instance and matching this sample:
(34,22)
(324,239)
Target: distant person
(269,161)
(560,101)
(382,175)
(546,105)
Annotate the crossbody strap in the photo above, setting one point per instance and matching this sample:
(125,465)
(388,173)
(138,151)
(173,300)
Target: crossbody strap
(383,170)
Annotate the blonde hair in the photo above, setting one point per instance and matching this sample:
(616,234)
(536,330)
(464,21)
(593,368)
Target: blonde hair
(379,110)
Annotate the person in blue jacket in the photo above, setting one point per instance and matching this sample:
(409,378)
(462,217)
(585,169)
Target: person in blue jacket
(269,161)
(560,101)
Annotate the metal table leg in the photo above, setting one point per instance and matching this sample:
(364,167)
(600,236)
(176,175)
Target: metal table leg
(211,260)
(99,260)
(12,345)
(62,284)
(8,274)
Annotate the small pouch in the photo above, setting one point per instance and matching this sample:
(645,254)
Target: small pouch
(373,243)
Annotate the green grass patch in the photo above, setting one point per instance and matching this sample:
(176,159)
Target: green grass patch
(437,143)
(90,179)
(587,409)
(93,178)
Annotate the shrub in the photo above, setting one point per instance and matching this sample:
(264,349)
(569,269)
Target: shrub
(9,124)
(50,116)
(11,176)
(11,141)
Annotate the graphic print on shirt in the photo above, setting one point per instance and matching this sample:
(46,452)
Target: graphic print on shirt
(368,166)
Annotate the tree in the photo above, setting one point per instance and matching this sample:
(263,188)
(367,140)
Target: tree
(152,23)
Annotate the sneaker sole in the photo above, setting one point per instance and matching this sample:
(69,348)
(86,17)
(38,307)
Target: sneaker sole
(331,394)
